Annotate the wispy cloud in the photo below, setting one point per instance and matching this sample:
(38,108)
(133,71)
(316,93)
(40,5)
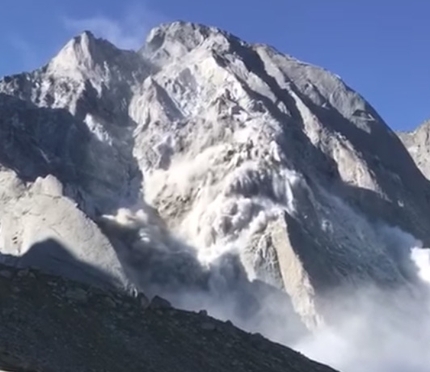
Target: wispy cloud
(127,31)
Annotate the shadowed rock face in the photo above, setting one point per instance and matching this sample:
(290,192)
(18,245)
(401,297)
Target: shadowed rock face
(213,172)
(417,142)
(52,324)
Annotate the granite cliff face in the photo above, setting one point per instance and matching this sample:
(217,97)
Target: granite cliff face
(207,169)
(417,143)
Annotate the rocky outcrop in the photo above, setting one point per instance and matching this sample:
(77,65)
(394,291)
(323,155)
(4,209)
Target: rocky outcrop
(417,143)
(49,232)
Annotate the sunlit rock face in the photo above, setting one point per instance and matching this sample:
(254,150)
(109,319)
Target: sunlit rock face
(202,165)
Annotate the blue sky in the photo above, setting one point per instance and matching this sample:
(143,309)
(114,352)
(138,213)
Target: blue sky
(379,47)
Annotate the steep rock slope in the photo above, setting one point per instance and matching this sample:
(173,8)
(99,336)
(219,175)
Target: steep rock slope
(201,161)
(259,153)
(418,144)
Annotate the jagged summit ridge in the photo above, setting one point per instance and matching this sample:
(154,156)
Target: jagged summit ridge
(228,163)
(178,38)
(95,58)
(82,53)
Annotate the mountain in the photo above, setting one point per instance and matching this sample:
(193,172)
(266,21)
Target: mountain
(220,175)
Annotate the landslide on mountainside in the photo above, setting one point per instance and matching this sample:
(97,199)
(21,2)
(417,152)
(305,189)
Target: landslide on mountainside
(219,174)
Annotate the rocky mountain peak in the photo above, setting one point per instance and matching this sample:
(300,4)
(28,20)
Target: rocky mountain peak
(174,40)
(84,53)
(86,57)
(202,167)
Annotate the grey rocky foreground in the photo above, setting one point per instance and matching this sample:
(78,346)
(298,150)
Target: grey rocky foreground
(52,324)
